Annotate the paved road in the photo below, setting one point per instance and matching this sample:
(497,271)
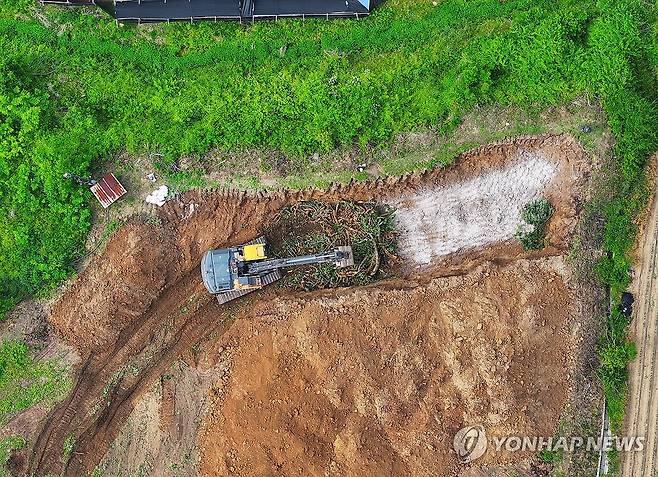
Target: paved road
(642,412)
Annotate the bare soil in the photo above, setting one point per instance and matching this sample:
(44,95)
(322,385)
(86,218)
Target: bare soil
(642,410)
(377,380)
(28,322)
(371,379)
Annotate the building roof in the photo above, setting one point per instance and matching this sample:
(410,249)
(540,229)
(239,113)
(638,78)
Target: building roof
(108,190)
(189,10)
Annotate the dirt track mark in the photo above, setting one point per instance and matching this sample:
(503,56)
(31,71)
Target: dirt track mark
(77,411)
(642,418)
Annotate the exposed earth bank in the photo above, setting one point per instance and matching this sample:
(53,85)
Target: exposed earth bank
(376,381)
(364,380)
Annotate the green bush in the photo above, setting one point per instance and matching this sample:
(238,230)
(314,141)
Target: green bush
(536,215)
(549,456)
(538,212)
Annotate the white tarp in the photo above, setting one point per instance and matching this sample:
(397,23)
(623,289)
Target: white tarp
(158,196)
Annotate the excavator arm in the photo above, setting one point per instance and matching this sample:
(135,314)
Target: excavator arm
(233,272)
(336,256)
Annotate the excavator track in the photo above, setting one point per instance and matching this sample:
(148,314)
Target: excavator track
(232,295)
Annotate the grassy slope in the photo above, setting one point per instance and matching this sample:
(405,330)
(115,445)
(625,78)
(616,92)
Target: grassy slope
(74,89)
(83,88)
(25,381)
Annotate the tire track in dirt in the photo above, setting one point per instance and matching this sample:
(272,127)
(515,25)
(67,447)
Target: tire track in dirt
(99,432)
(106,390)
(642,420)
(156,339)
(77,412)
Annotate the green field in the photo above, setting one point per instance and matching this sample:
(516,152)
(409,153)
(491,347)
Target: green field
(76,89)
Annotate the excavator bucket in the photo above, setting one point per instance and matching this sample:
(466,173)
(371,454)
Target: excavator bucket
(346,257)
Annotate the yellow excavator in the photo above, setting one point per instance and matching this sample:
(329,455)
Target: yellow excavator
(230,273)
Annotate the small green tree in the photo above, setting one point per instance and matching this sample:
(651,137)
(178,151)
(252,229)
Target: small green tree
(536,215)
(537,212)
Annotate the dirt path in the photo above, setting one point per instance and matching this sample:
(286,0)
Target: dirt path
(642,418)
(140,305)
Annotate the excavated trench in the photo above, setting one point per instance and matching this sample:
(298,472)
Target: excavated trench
(140,305)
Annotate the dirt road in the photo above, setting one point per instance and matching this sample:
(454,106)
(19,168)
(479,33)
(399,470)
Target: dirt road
(642,418)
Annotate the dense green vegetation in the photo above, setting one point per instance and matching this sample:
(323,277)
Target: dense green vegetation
(74,89)
(25,381)
(536,214)
(74,92)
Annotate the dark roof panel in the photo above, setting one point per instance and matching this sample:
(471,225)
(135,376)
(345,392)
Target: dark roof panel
(176,9)
(166,10)
(307,7)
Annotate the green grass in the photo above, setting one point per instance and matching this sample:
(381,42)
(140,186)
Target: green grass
(67,447)
(7,445)
(25,381)
(111,227)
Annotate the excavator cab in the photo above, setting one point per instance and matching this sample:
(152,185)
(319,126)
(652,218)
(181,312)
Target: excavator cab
(230,273)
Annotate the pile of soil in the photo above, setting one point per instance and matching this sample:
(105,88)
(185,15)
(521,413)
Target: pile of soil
(376,381)
(140,307)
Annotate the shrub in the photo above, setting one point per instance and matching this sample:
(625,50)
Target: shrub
(537,212)
(536,215)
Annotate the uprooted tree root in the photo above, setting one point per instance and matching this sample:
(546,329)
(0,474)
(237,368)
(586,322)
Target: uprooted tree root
(313,226)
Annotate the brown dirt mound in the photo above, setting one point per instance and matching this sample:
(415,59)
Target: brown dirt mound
(137,264)
(376,381)
(140,305)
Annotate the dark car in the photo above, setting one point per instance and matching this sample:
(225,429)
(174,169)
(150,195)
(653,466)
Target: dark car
(626,304)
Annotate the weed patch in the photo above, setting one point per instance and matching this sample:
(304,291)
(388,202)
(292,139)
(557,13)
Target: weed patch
(536,215)
(25,381)
(7,445)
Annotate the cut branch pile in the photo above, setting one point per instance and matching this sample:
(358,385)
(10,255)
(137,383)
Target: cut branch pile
(314,226)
